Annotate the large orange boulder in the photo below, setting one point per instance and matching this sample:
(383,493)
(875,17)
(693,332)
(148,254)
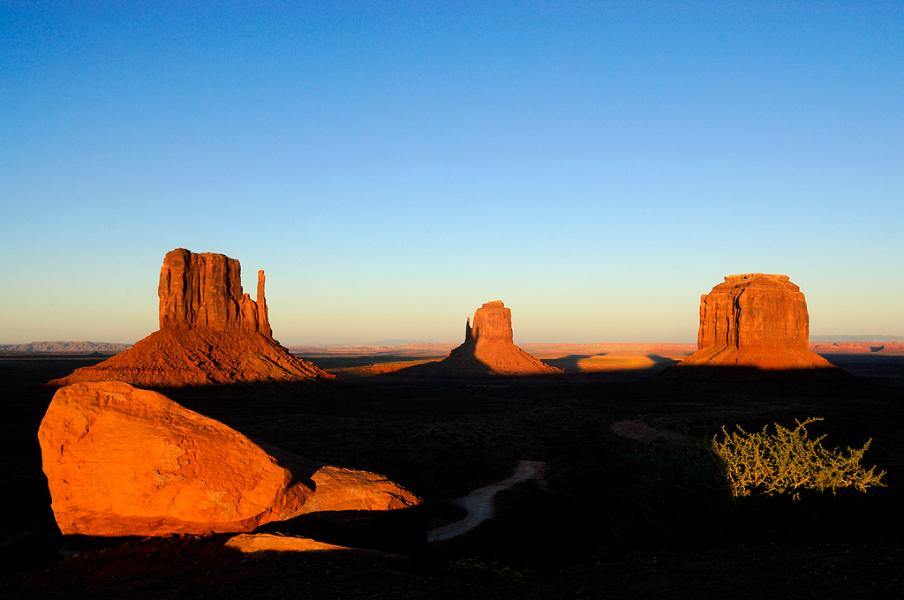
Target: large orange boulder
(122,461)
(489,349)
(210,332)
(754,320)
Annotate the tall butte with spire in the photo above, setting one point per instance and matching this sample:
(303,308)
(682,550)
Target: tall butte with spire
(489,348)
(754,320)
(210,332)
(204,290)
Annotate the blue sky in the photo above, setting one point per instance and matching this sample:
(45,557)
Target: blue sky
(393,165)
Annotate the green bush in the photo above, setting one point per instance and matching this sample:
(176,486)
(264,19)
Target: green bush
(787,461)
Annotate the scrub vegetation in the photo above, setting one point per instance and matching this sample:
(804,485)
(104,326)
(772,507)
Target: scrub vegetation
(788,460)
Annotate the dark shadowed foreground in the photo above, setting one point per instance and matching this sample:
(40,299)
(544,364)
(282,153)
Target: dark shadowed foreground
(632,502)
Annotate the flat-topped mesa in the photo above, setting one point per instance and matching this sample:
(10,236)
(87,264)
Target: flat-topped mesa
(760,309)
(757,320)
(205,290)
(210,332)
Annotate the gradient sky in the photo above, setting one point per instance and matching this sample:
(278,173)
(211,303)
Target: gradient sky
(393,165)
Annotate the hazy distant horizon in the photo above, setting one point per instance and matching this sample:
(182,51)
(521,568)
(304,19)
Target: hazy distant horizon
(415,342)
(392,166)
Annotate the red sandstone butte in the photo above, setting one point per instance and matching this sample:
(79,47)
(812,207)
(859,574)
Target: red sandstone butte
(754,320)
(489,347)
(122,461)
(210,332)
(205,290)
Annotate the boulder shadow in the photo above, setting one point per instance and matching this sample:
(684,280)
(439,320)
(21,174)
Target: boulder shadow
(400,531)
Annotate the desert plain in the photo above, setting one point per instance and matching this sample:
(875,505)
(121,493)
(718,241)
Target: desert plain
(593,477)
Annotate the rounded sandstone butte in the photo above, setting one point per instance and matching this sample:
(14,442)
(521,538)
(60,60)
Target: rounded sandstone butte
(210,332)
(754,320)
(122,461)
(488,348)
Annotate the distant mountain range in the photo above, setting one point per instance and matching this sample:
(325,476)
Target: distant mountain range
(64,348)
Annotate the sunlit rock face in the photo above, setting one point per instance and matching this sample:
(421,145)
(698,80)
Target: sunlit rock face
(492,323)
(488,347)
(122,461)
(205,290)
(754,320)
(210,332)
(267,542)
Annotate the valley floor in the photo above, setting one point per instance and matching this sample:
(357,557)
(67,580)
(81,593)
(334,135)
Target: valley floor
(632,504)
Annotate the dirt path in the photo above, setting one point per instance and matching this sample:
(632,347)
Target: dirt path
(479,503)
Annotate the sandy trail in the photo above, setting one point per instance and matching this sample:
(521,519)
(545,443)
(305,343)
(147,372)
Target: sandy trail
(479,503)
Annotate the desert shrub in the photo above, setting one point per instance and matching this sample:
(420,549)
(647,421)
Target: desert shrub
(787,461)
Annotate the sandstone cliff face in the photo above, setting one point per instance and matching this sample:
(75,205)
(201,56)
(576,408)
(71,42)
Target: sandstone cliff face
(210,332)
(488,348)
(122,461)
(755,320)
(492,322)
(205,290)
